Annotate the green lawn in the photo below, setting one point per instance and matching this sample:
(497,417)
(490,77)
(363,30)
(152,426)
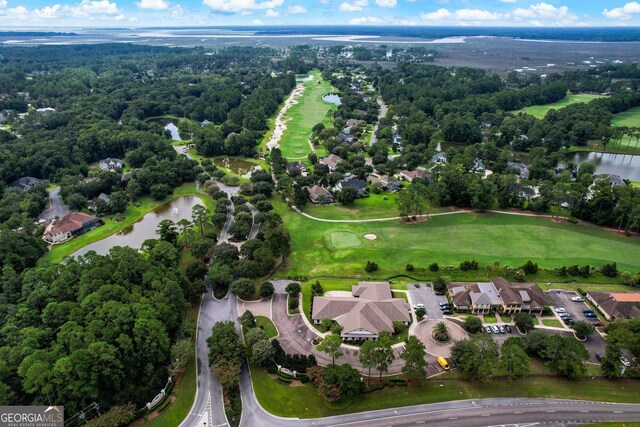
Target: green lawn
(604,287)
(132,215)
(304,402)
(301,117)
(184,391)
(322,249)
(267,326)
(552,322)
(539,111)
(489,318)
(374,206)
(629,118)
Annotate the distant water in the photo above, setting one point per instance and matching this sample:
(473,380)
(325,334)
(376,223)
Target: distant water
(625,165)
(333,99)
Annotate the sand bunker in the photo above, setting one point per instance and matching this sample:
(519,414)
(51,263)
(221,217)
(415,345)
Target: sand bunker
(281,123)
(370,236)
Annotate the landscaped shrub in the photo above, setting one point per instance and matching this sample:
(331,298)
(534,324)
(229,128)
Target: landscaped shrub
(371,267)
(572,220)
(529,267)
(409,267)
(316,288)
(609,270)
(472,324)
(562,271)
(439,284)
(295,362)
(434,267)
(469,265)
(585,271)
(293,303)
(293,289)
(546,311)
(581,291)
(573,270)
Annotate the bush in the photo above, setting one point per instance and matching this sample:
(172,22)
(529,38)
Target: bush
(609,270)
(440,285)
(585,271)
(546,311)
(293,288)
(572,220)
(371,267)
(469,265)
(293,303)
(266,290)
(243,288)
(421,312)
(434,267)
(316,288)
(573,270)
(409,267)
(530,267)
(472,324)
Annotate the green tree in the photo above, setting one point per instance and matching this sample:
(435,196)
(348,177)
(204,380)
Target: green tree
(168,231)
(266,290)
(565,355)
(514,360)
(244,288)
(253,336)
(262,352)
(523,321)
(331,345)
(421,312)
(611,365)
(224,343)
(248,320)
(347,196)
(476,357)
(472,324)
(367,359)
(441,332)
(200,217)
(293,289)
(414,357)
(345,378)
(583,329)
(383,354)
(439,284)
(119,415)
(228,372)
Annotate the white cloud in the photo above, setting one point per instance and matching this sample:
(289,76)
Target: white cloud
(354,6)
(270,13)
(296,9)
(153,4)
(387,3)
(461,15)
(95,10)
(242,5)
(257,22)
(3,4)
(365,20)
(623,12)
(544,11)
(176,11)
(509,1)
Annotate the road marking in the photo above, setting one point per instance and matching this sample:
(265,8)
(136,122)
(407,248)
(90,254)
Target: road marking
(551,412)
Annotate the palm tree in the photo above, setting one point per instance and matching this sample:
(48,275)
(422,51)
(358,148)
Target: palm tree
(441,332)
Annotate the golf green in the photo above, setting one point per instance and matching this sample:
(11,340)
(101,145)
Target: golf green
(343,240)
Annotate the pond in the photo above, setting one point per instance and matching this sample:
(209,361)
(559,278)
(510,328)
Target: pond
(236,166)
(332,98)
(625,165)
(134,235)
(173,129)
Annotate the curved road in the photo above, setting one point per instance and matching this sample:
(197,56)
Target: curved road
(56,207)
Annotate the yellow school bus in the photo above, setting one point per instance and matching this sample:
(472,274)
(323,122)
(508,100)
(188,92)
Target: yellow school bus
(443,362)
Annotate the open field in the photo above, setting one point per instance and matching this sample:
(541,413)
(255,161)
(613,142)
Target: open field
(132,215)
(630,118)
(267,326)
(302,116)
(321,249)
(539,111)
(304,402)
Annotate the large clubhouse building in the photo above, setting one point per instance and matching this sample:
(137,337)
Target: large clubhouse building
(369,310)
(616,305)
(497,295)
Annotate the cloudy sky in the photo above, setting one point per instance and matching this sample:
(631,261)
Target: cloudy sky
(21,13)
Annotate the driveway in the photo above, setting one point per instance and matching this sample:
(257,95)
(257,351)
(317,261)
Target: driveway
(56,207)
(560,298)
(423,333)
(425,295)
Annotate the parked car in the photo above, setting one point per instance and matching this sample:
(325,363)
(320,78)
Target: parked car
(428,285)
(417,285)
(447,311)
(508,328)
(590,314)
(487,329)
(495,329)
(568,321)
(502,329)
(439,293)
(444,303)
(597,324)
(599,357)
(625,361)
(560,310)
(445,307)
(417,306)
(564,315)
(577,299)
(587,310)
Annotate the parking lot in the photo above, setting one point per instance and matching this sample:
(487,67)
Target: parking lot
(425,295)
(563,299)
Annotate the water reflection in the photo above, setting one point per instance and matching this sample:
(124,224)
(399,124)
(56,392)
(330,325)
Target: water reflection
(332,98)
(237,166)
(625,165)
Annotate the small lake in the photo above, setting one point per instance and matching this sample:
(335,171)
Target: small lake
(134,235)
(332,98)
(625,165)
(175,135)
(237,166)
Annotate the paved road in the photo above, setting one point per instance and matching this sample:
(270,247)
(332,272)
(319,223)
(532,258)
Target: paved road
(481,412)
(255,227)
(425,295)
(56,207)
(383,112)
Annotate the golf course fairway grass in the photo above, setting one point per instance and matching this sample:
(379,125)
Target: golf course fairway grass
(539,111)
(322,249)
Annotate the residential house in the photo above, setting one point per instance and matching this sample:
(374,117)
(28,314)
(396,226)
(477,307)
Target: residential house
(521,168)
(397,139)
(347,139)
(369,310)
(408,175)
(25,183)
(359,185)
(299,166)
(439,158)
(356,123)
(319,194)
(616,180)
(383,182)
(331,161)
(478,166)
(71,225)
(497,295)
(110,164)
(616,305)
(127,176)
(93,206)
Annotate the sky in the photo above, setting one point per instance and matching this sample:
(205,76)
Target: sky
(140,13)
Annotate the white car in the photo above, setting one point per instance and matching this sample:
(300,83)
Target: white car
(560,310)
(577,299)
(417,306)
(625,361)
